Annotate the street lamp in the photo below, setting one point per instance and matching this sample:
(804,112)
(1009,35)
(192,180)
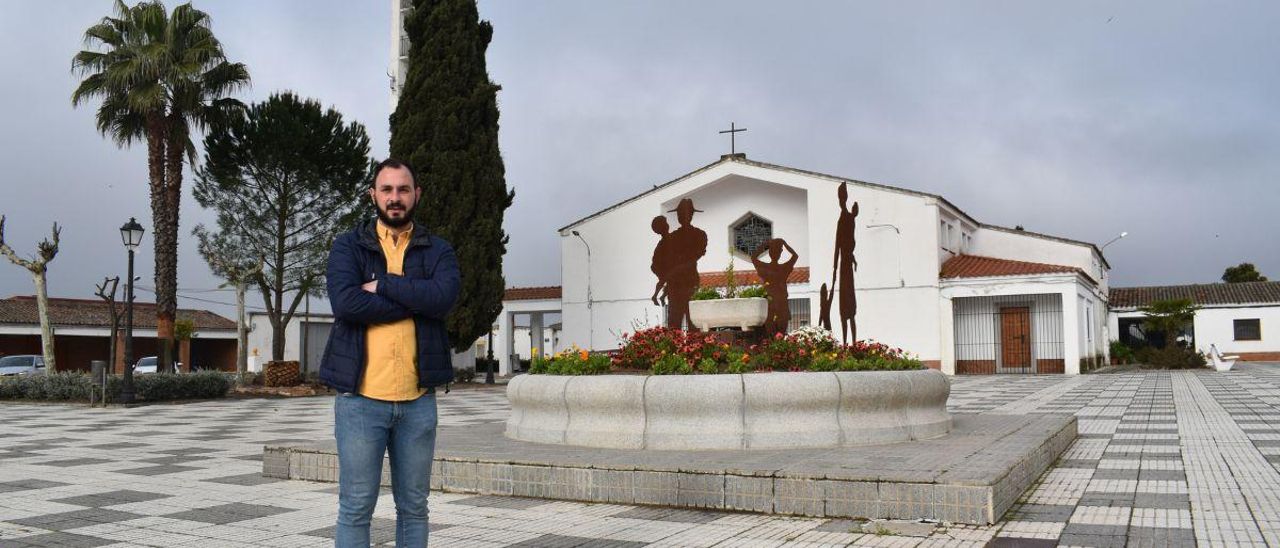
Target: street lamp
(131,235)
(1112,241)
(491,365)
(590,314)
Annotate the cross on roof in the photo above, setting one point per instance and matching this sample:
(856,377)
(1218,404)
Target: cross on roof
(732,131)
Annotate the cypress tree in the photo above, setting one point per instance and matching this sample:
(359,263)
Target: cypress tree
(446,126)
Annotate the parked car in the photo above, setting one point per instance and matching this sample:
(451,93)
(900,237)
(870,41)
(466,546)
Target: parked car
(26,364)
(148,365)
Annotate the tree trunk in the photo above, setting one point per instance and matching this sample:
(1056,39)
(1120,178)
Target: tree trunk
(164,233)
(167,307)
(46,330)
(277,340)
(242,333)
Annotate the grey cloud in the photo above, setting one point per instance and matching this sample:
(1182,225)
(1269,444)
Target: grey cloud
(1080,119)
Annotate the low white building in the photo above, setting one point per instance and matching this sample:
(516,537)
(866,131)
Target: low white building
(963,296)
(1241,319)
(317,328)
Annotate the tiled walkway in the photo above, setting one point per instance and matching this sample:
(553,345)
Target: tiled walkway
(1163,459)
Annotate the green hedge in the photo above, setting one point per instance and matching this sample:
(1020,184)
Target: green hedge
(75,386)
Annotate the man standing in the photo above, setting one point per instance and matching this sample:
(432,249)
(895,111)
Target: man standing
(391,285)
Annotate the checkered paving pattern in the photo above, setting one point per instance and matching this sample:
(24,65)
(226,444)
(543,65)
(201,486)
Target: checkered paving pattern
(1163,459)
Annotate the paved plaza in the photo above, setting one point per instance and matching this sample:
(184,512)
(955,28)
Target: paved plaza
(1163,459)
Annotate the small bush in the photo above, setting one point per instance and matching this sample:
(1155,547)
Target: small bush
(708,366)
(755,291)
(464,375)
(824,362)
(1121,353)
(672,364)
(1173,356)
(706,294)
(76,386)
(50,387)
(570,362)
(740,365)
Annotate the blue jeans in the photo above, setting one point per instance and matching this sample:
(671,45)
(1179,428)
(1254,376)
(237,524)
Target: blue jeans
(366,429)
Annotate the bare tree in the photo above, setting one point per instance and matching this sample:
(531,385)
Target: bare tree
(226,258)
(38,266)
(107,292)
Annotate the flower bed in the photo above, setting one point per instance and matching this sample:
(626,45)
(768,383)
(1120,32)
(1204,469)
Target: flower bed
(666,351)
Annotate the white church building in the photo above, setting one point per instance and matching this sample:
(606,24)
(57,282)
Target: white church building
(963,296)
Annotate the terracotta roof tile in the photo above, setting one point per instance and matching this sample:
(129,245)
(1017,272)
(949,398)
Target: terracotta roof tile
(1201,294)
(531,293)
(976,266)
(799,275)
(22,310)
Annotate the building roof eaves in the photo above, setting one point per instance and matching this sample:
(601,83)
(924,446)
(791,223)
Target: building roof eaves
(835,178)
(1049,237)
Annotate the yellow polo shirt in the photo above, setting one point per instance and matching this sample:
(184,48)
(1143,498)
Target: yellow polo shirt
(391,349)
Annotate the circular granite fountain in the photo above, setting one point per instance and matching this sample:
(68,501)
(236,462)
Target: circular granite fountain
(749,411)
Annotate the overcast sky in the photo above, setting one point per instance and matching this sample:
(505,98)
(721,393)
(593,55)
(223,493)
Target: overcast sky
(1079,119)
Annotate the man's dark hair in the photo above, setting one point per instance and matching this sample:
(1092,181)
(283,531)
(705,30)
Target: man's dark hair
(395,164)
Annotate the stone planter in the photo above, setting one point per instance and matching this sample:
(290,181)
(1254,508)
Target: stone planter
(751,411)
(740,313)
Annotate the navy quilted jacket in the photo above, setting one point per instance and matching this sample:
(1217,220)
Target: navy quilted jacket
(426,292)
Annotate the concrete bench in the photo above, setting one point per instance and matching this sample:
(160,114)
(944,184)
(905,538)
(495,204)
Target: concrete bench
(1220,362)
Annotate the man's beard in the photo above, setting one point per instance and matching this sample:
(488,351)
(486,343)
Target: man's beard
(396,223)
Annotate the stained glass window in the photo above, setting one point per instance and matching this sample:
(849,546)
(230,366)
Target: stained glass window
(750,233)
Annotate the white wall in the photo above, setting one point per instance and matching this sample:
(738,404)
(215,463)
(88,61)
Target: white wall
(727,201)
(1005,244)
(260,335)
(1216,326)
(524,344)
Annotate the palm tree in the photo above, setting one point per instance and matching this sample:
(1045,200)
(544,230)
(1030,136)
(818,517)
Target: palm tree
(160,77)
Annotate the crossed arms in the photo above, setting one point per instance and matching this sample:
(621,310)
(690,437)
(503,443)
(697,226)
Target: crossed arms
(393,297)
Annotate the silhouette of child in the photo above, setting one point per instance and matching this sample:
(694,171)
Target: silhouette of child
(824,310)
(661,259)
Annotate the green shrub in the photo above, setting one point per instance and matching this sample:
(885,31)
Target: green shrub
(464,375)
(570,362)
(76,386)
(50,387)
(1120,352)
(755,291)
(1173,356)
(200,385)
(824,362)
(740,365)
(672,364)
(708,366)
(706,294)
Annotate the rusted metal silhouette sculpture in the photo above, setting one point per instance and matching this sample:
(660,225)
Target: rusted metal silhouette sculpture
(661,255)
(824,310)
(677,257)
(774,274)
(844,264)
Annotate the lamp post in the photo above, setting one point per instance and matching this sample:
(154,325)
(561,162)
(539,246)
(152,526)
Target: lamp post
(489,363)
(131,235)
(590,314)
(1112,241)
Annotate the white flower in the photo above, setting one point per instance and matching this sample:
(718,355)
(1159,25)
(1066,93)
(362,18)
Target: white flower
(813,334)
